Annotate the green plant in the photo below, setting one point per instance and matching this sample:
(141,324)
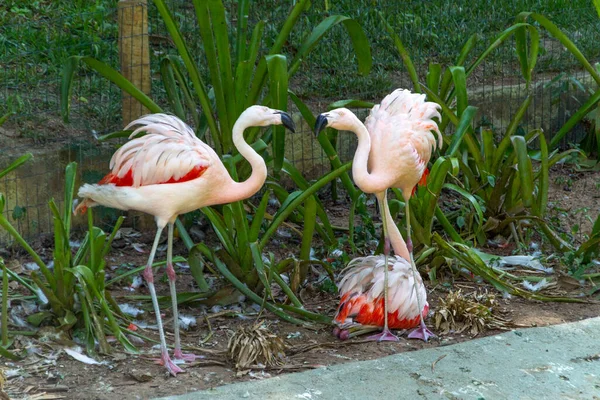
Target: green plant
(240,258)
(239,76)
(592,102)
(75,278)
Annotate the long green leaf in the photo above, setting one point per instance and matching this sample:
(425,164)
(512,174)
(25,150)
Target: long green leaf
(328,148)
(244,69)
(525,169)
(575,118)
(542,197)
(5,117)
(470,198)
(510,131)
(284,212)
(242,24)
(109,73)
(278,83)
(194,73)
(260,73)
(14,165)
(360,42)
(560,36)
(253,296)
(410,68)
(464,125)
(260,268)
(70,175)
(220,229)
(350,103)
(310,216)
(460,88)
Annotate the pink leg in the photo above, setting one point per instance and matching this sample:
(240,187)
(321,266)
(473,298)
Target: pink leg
(421,332)
(172,277)
(149,276)
(386,334)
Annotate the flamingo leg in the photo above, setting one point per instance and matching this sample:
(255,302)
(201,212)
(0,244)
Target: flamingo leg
(172,277)
(386,334)
(422,332)
(149,276)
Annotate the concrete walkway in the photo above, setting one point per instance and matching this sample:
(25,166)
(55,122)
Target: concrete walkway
(557,362)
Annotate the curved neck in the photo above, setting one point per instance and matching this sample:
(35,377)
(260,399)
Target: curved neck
(364,179)
(243,190)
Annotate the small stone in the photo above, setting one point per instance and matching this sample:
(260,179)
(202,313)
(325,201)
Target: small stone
(141,376)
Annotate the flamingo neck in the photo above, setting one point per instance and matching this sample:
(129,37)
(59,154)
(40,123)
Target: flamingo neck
(360,168)
(364,179)
(243,190)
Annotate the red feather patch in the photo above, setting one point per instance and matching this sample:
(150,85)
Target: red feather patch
(127,179)
(422,181)
(365,313)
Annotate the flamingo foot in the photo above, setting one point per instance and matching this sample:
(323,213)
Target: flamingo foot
(422,332)
(179,355)
(165,360)
(385,336)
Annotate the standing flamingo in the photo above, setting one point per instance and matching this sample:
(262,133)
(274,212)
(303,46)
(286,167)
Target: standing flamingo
(394,147)
(169,171)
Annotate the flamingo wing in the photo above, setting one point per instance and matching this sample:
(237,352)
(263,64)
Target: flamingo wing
(169,152)
(401,132)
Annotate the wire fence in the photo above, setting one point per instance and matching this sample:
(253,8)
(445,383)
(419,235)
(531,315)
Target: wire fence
(30,80)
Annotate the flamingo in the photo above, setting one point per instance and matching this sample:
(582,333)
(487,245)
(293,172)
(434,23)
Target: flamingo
(394,147)
(362,298)
(169,171)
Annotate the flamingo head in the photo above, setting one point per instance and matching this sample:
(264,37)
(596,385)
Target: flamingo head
(341,119)
(265,116)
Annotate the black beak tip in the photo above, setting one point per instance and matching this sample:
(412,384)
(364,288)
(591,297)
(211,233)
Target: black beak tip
(287,121)
(320,124)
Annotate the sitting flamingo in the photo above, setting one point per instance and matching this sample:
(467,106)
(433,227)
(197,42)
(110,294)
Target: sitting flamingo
(394,147)
(168,172)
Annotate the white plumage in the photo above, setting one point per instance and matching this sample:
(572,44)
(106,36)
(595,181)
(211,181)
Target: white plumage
(361,291)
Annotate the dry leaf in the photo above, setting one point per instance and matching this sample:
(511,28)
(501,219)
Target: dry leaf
(255,345)
(473,313)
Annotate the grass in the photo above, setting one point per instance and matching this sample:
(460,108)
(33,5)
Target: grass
(37,36)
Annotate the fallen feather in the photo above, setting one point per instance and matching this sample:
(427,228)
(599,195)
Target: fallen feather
(186,321)
(139,247)
(81,357)
(337,253)
(130,310)
(41,295)
(31,266)
(537,287)
(510,261)
(136,283)
(183,265)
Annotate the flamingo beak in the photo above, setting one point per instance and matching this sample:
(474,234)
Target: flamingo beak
(321,123)
(287,121)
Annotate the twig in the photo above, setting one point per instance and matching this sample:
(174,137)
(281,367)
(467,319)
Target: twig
(302,349)
(436,361)
(210,331)
(207,363)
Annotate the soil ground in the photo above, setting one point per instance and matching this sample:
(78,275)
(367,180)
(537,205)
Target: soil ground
(49,373)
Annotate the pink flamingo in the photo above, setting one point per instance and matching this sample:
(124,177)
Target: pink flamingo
(394,147)
(169,171)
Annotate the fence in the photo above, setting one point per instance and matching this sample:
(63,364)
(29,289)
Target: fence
(30,79)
